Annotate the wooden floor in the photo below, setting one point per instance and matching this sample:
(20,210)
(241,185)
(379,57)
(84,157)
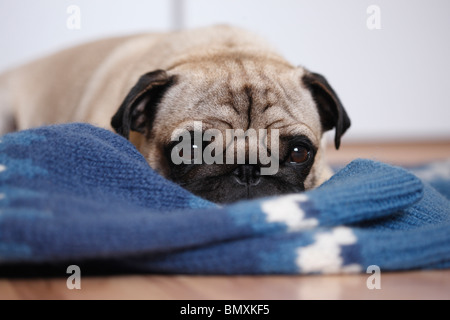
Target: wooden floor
(398,285)
(404,153)
(408,285)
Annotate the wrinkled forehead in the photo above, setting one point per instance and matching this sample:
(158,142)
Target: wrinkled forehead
(242,94)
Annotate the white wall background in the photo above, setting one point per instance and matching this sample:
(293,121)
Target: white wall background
(394,82)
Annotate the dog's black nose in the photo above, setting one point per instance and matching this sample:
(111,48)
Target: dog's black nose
(247,174)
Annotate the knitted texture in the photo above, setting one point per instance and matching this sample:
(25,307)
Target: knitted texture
(74,194)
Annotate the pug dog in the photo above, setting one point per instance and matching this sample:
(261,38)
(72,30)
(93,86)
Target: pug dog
(146,87)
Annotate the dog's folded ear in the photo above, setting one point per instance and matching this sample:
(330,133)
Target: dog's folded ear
(331,111)
(137,111)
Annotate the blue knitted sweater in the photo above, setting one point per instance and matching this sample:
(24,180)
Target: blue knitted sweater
(77,194)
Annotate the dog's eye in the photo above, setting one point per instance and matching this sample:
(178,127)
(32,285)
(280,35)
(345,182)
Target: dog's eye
(299,154)
(194,150)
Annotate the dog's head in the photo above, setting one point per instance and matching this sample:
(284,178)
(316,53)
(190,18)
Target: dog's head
(233,127)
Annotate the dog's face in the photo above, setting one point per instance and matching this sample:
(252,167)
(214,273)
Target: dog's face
(288,108)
